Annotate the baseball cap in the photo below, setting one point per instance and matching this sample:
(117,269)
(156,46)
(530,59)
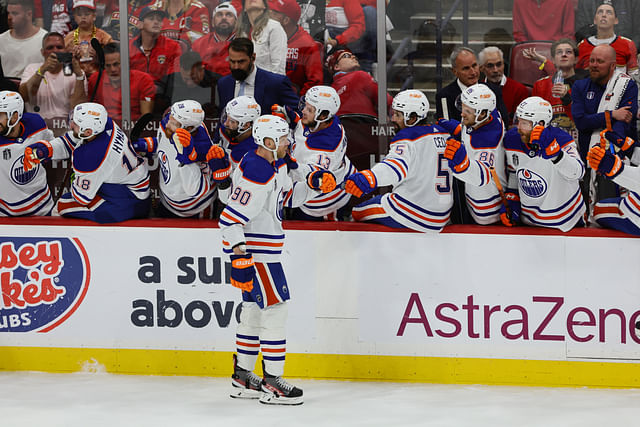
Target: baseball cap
(227,6)
(89,4)
(290,8)
(151,9)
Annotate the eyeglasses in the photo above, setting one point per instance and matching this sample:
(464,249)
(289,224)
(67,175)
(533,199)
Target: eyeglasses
(346,55)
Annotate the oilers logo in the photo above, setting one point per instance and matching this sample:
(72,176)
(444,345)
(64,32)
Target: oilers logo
(19,176)
(531,184)
(164,166)
(43,282)
(280,205)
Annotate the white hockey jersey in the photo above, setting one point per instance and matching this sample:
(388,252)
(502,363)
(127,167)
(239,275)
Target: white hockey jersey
(629,206)
(422,196)
(550,193)
(485,150)
(254,206)
(326,149)
(24,193)
(108,159)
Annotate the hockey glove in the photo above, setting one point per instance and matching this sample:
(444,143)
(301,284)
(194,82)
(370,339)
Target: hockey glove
(623,143)
(321,180)
(144,145)
(181,139)
(35,153)
(453,127)
(287,113)
(604,162)
(243,271)
(512,216)
(291,162)
(547,146)
(361,183)
(457,156)
(219,163)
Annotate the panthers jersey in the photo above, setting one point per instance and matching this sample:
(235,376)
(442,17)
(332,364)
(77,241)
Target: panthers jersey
(253,214)
(24,193)
(419,173)
(549,193)
(485,150)
(326,149)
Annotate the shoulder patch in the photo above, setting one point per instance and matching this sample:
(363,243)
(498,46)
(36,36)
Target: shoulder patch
(32,123)
(512,140)
(89,156)
(256,169)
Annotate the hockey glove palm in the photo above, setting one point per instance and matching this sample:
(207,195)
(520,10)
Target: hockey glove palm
(287,113)
(35,153)
(219,163)
(457,155)
(604,162)
(623,143)
(361,183)
(321,180)
(510,216)
(181,139)
(243,271)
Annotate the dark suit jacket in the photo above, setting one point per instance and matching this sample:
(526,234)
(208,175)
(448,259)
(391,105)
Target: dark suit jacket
(452,91)
(270,89)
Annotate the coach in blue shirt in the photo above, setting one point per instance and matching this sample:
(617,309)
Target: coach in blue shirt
(247,79)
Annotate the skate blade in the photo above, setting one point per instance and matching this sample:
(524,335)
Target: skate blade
(272,399)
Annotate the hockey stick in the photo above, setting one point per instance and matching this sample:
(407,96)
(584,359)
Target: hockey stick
(503,198)
(139,126)
(95,44)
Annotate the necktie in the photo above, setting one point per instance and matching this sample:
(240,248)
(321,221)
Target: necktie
(241,90)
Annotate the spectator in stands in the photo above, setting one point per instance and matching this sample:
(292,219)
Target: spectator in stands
(542,19)
(626,53)
(142,89)
(464,66)
(627,11)
(590,111)
(46,88)
(186,20)
(346,23)
(111,23)
(491,60)
(21,44)
(268,36)
(152,52)
(193,81)
(357,90)
(565,55)
(59,19)
(248,79)
(214,47)
(78,41)
(304,64)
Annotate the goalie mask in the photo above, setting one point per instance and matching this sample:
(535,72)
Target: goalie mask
(325,100)
(272,127)
(11,102)
(481,99)
(410,102)
(89,116)
(244,110)
(188,113)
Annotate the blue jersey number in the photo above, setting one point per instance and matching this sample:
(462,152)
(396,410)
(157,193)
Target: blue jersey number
(443,172)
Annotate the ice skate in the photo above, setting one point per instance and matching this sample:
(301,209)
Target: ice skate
(246,384)
(277,391)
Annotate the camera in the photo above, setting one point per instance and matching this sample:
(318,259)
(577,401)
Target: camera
(65,59)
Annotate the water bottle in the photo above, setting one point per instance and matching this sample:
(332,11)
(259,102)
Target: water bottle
(558,78)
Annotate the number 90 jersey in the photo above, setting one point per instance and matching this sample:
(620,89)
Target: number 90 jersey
(422,196)
(326,149)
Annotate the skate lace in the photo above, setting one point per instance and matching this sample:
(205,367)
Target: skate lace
(283,384)
(254,380)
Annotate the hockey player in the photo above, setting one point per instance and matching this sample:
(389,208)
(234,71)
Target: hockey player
(320,140)
(416,168)
(251,227)
(235,131)
(543,171)
(111,182)
(186,184)
(23,192)
(619,213)
(475,149)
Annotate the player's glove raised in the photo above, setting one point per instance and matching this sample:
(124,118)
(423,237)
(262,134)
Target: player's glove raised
(35,153)
(243,271)
(219,163)
(360,183)
(287,113)
(604,162)
(322,180)
(453,127)
(181,139)
(144,145)
(456,154)
(548,146)
(511,216)
(623,143)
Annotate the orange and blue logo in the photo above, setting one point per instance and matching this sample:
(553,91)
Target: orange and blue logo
(43,282)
